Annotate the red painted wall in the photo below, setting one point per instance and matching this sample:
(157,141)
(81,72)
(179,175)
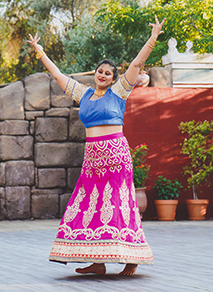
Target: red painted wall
(152,117)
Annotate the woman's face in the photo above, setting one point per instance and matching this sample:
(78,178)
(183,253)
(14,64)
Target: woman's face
(104,76)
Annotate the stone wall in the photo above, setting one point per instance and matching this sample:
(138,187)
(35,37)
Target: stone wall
(41,148)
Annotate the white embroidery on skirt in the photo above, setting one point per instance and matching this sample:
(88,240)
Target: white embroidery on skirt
(135,208)
(107,207)
(124,196)
(88,215)
(108,154)
(106,214)
(73,210)
(105,217)
(125,209)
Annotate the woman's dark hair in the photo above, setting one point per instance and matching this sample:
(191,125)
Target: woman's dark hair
(112,64)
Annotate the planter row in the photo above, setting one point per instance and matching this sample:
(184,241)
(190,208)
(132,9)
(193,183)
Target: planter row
(166,209)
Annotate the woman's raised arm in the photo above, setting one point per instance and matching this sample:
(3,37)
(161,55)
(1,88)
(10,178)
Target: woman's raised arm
(51,67)
(135,66)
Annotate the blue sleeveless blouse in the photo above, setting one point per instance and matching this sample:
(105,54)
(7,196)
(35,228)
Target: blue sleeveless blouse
(107,110)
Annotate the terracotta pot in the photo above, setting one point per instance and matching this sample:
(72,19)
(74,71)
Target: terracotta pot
(197,209)
(166,209)
(141,199)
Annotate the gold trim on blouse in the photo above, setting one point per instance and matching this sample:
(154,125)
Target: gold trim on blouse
(122,87)
(76,90)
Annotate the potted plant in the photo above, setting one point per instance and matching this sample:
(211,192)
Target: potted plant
(140,174)
(198,146)
(167,192)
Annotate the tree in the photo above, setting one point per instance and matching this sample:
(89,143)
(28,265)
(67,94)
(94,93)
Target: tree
(186,20)
(94,40)
(118,31)
(89,43)
(68,12)
(198,146)
(18,20)
(22,17)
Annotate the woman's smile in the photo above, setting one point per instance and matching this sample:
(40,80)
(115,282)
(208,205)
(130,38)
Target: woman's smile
(104,76)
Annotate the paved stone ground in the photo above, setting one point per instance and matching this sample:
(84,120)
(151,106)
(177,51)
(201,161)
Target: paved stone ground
(183,253)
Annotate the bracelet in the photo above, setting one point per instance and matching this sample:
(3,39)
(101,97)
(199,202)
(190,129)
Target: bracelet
(151,46)
(151,42)
(153,39)
(40,54)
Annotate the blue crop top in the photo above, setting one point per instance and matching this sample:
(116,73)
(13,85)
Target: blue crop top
(107,110)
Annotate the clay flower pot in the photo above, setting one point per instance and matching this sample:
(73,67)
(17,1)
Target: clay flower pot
(197,208)
(141,199)
(166,209)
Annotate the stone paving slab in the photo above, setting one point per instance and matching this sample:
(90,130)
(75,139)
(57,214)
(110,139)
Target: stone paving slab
(183,254)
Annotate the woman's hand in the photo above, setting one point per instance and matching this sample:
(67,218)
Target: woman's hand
(34,42)
(51,67)
(156,27)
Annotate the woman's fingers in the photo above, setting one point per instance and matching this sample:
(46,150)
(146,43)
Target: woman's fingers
(157,22)
(157,26)
(162,23)
(33,40)
(156,19)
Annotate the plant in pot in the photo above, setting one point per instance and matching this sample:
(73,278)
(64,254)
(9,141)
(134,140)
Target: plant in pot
(167,192)
(140,174)
(198,146)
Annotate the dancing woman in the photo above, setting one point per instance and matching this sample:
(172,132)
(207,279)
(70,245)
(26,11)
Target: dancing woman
(101,223)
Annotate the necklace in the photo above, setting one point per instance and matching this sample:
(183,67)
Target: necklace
(100,93)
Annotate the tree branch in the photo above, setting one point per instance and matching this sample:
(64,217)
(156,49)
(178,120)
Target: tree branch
(195,26)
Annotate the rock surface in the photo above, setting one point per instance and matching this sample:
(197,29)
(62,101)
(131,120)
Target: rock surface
(41,148)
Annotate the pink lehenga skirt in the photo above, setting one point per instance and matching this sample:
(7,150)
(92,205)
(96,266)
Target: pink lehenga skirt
(102,222)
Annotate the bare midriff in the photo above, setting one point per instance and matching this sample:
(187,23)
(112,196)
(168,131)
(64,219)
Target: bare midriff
(103,130)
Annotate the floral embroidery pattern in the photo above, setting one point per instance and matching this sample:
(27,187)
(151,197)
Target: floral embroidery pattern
(107,208)
(105,217)
(73,210)
(88,215)
(125,209)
